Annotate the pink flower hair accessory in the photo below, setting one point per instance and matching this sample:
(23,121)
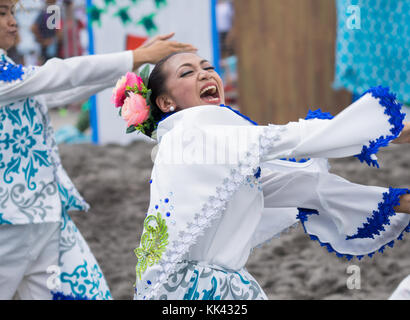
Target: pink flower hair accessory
(132,97)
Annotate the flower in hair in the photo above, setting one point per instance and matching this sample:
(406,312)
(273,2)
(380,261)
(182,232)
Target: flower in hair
(135,109)
(129,80)
(132,97)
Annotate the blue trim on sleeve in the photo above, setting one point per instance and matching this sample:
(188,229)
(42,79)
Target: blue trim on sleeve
(294,160)
(10,72)
(304,214)
(396,118)
(240,114)
(318,114)
(381,217)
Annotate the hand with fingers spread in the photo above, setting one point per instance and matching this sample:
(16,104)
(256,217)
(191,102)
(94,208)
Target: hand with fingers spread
(157,48)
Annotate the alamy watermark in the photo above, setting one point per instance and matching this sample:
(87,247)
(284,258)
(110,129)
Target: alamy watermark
(354,21)
(208,145)
(354,282)
(54,19)
(53,281)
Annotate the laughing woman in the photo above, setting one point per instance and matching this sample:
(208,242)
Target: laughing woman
(219,187)
(42,253)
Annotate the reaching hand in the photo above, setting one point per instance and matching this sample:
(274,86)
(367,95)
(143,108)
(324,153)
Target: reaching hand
(157,48)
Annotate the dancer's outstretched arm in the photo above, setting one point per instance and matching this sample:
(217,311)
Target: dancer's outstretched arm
(350,218)
(151,52)
(58,75)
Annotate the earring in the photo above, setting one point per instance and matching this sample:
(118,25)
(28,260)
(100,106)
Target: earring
(172,109)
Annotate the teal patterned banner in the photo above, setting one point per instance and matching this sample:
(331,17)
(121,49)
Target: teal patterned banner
(373,45)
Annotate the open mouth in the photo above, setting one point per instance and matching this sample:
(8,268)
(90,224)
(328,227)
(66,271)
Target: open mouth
(210,94)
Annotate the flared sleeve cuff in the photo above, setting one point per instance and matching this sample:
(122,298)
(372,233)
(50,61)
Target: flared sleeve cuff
(371,122)
(392,109)
(382,228)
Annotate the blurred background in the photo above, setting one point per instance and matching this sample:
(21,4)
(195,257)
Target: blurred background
(278,59)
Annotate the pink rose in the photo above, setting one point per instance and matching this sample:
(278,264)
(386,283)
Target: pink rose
(135,109)
(118,94)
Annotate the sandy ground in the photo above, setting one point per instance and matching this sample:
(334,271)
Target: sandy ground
(115,181)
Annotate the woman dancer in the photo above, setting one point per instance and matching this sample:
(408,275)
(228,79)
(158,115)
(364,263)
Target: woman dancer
(42,253)
(219,188)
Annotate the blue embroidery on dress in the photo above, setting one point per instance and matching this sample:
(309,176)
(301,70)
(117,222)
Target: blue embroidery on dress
(62,296)
(294,160)
(381,217)
(10,72)
(303,217)
(240,114)
(396,117)
(27,154)
(84,281)
(318,114)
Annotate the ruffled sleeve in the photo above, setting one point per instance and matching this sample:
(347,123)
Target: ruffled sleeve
(347,218)
(371,122)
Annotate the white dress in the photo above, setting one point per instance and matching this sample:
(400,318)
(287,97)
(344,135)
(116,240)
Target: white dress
(219,189)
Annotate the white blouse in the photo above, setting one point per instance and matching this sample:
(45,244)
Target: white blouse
(219,188)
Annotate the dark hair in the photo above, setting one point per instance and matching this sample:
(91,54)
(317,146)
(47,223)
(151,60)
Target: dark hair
(156,83)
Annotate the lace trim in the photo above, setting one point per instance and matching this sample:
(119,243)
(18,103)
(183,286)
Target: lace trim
(396,117)
(318,114)
(374,226)
(215,206)
(381,217)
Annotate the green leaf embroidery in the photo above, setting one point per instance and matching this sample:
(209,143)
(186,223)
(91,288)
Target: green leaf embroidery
(153,243)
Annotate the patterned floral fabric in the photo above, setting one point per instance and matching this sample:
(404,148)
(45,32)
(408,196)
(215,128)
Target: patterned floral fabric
(37,189)
(373,42)
(81,277)
(196,281)
(30,166)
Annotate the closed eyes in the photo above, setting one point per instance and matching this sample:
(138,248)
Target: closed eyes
(186,73)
